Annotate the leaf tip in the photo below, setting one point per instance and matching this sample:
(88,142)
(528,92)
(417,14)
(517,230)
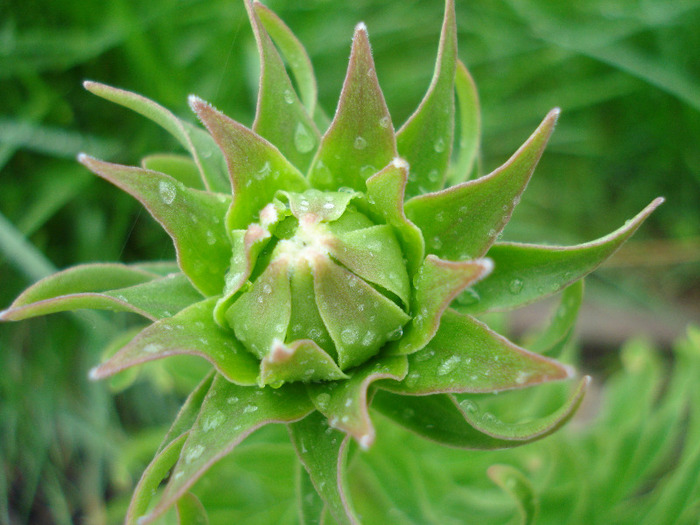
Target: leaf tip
(95,374)
(4,313)
(197,103)
(361,28)
(365,441)
(400,163)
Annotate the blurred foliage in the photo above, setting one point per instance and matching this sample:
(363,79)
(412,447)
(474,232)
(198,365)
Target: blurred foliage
(625,72)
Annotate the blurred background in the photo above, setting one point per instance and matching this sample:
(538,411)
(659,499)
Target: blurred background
(625,73)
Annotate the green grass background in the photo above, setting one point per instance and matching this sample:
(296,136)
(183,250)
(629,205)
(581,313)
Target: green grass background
(625,73)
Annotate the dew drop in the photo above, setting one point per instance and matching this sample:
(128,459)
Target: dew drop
(469,406)
(232,400)
(303,140)
(515,286)
(360,143)
(167,191)
(384,122)
(194,453)
(439,145)
(395,335)
(448,365)
(213,421)
(288,96)
(267,289)
(349,336)
(151,348)
(322,400)
(211,239)
(433,176)
(368,339)
(249,409)
(424,356)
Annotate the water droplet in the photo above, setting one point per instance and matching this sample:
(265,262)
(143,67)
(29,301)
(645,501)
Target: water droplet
(437,242)
(151,348)
(322,400)
(516,286)
(440,216)
(249,409)
(522,377)
(368,339)
(288,96)
(304,141)
(267,289)
(329,206)
(469,406)
(439,145)
(433,176)
(213,421)
(360,143)
(194,453)
(448,365)
(232,400)
(167,191)
(424,355)
(412,379)
(367,171)
(384,122)
(395,335)
(211,239)
(349,336)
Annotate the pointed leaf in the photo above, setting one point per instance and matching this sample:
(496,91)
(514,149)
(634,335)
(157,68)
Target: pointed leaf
(315,205)
(467,356)
(562,323)
(189,411)
(360,140)
(309,504)
(156,472)
(385,193)
(280,116)
(198,143)
(375,255)
(345,403)
(436,284)
(192,218)
(179,167)
(294,53)
(154,299)
(519,488)
(463,221)
(257,169)
(229,414)
(323,452)
(191,331)
(302,360)
(441,418)
(260,316)
(425,140)
(470,125)
(359,318)
(524,273)
(190,511)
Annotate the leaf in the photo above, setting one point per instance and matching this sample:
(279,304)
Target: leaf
(192,218)
(442,419)
(302,360)
(467,356)
(151,478)
(436,284)
(309,503)
(463,221)
(190,511)
(425,140)
(229,414)
(562,323)
(189,411)
(323,452)
(385,193)
(294,53)
(470,125)
(257,169)
(524,273)
(360,140)
(519,488)
(199,144)
(345,403)
(179,167)
(280,116)
(191,331)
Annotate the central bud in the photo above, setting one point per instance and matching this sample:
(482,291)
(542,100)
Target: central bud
(326,287)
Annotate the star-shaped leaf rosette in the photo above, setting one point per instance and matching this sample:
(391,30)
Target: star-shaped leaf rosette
(328,268)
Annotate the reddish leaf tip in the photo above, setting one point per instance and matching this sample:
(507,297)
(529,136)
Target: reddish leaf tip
(3,313)
(83,158)
(400,163)
(366,441)
(94,374)
(87,84)
(197,103)
(361,27)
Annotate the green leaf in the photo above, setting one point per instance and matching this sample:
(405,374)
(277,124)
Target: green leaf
(229,414)
(302,360)
(156,471)
(309,503)
(192,218)
(280,116)
(359,318)
(190,511)
(345,403)
(436,284)
(463,221)
(524,273)
(257,169)
(294,53)
(179,167)
(441,418)
(323,452)
(425,140)
(519,488)
(198,143)
(326,206)
(467,356)
(562,323)
(470,125)
(385,193)
(191,331)
(360,140)
(189,411)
